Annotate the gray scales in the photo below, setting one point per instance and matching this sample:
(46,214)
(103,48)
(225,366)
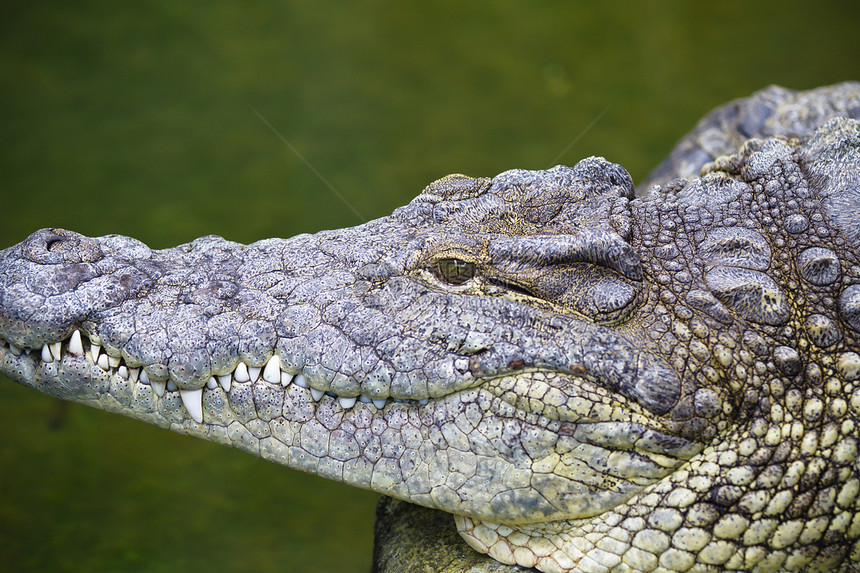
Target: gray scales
(586,380)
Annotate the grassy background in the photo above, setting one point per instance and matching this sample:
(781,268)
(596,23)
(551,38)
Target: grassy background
(142,119)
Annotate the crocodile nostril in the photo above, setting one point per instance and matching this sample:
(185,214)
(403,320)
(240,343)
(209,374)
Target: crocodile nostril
(54,244)
(58,246)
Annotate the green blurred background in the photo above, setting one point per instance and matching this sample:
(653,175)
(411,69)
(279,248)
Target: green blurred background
(144,119)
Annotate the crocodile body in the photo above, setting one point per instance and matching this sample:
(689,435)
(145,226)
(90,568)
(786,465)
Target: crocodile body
(588,381)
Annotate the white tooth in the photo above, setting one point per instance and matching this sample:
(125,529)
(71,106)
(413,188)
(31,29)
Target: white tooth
(114,361)
(316,394)
(272,372)
(380,404)
(286,378)
(46,354)
(301,381)
(134,374)
(254,373)
(16,350)
(123,372)
(347,403)
(193,400)
(103,362)
(76,347)
(158,386)
(95,349)
(364,399)
(56,351)
(423,401)
(226,381)
(144,377)
(211,383)
(171,386)
(241,373)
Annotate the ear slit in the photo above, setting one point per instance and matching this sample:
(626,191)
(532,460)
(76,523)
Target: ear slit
(512,287)
(595,246)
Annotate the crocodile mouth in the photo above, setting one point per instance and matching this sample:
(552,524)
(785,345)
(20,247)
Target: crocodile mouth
(83,347)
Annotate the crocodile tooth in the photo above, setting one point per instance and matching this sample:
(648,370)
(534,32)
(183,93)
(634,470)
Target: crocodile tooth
(76,347)
(95,349)
(241,373)
(301,381)
(254,373)
(347,403)
(226,381)
(272,372)
(144,377)
(193,400)
(211,383)
(16,350)
(364,399)
(380,404)
(423,401)
(286,379)
(113,361)
(171,386)
(316,394)
(46,354)
(56,351)
(134,374)
(122,371)
(158,386)
(103,362)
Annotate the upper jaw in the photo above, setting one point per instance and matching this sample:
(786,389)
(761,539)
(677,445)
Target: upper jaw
(203,310)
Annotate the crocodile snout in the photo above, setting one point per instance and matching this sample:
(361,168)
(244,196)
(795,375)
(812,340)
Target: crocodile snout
(55,278)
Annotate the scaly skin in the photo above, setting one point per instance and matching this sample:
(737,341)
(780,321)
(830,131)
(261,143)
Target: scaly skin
(587,381)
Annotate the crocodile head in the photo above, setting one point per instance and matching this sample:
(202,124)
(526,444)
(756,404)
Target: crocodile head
(463,353)
(539,353)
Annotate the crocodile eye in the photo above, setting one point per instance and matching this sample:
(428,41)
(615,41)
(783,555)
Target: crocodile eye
(454,271)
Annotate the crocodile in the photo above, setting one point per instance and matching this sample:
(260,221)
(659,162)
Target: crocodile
(587,380)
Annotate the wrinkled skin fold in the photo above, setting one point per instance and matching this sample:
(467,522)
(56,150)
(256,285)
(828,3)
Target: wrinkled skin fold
(588,381)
